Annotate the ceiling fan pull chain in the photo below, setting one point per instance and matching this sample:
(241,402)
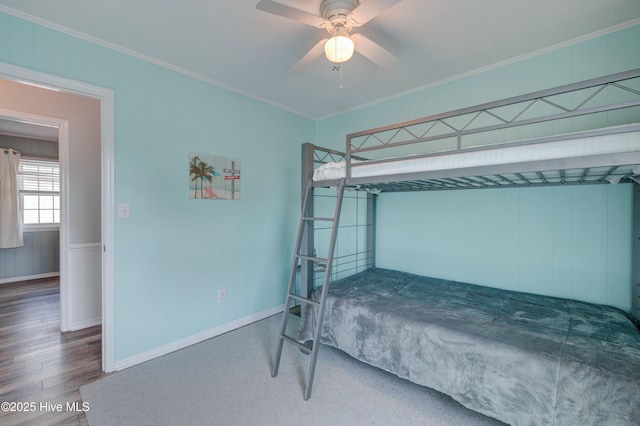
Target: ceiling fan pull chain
(341,65)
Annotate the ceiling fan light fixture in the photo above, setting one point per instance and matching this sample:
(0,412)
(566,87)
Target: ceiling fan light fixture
(339,48)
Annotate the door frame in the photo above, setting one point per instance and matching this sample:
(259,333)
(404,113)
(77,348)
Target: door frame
(63,160)
(106,98)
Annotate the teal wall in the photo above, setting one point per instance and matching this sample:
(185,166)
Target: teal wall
(174,254)
(568,241)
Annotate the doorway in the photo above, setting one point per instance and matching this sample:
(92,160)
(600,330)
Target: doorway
(42,141)
(77,257)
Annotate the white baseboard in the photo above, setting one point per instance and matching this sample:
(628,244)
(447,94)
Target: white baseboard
(196,338)
(85,324)
(29,277)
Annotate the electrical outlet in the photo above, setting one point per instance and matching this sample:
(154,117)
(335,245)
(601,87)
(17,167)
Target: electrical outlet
(222,295)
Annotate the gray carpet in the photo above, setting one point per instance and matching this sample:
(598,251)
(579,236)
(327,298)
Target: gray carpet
(227,381)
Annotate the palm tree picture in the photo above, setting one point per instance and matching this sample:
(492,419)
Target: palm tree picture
(206,181)
(194,172)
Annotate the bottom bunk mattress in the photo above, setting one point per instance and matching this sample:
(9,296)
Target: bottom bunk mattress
(521,358)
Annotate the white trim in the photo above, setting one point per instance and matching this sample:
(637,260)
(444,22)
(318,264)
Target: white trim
(84,324)
(196,338)
(108,233)
(84,246)
(29,277)
(32,118)
(63,161)
(39,138)
(107,111)
(42,227)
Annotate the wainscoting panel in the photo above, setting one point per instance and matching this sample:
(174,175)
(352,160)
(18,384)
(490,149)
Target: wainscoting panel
(85,285)
(39,257)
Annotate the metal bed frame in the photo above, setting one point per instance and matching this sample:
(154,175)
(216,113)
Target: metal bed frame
(536,116)
(489,126)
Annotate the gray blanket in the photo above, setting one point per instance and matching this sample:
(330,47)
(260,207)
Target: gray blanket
(521,358)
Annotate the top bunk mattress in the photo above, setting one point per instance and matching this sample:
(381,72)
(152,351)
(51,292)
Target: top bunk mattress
(573,147)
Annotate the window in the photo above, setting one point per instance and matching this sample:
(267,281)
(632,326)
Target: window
(39,191)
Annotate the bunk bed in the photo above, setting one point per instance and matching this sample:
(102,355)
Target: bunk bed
(518,357)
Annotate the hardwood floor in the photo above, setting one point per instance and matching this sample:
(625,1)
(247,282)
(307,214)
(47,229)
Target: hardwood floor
(42,369)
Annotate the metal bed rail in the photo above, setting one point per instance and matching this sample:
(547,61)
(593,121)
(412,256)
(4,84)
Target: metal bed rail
(450,132)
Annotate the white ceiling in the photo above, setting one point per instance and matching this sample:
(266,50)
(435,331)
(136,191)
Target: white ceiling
(232,44)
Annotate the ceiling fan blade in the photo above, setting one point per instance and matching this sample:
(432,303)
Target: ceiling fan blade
(313,54)
(369,10)
(285,11)
(373,51)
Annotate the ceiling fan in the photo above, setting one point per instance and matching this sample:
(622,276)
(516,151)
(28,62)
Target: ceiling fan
(338,17)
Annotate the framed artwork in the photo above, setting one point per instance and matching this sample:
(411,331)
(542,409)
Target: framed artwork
(214,178)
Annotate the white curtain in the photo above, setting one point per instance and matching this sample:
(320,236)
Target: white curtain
(10,220)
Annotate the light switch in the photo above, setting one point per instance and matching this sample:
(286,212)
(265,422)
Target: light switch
(124,211)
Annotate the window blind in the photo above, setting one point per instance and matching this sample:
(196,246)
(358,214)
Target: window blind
(39,182)
(38,176)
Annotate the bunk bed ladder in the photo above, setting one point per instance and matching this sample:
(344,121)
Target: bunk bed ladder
(291,294)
